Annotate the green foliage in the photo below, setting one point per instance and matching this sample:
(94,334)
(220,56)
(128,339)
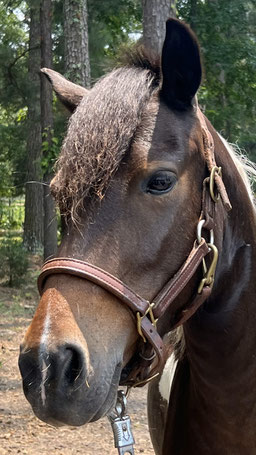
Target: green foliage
(5,174)
(14,262)
(51,150)
(11,214)
(13,93)
(12,152)
(13,257)
(13,53)
(111,24)
(227,34)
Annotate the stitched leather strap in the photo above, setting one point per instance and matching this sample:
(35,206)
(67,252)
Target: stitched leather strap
(110,283)
(96,275)
(174,287)
(126,295)
(210,159)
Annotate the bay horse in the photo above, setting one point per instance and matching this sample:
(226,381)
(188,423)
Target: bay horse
(159,233)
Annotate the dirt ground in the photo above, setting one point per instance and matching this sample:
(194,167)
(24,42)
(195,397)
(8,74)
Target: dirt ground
(20,431)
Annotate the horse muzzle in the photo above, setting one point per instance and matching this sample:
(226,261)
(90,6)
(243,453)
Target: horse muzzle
(60,388)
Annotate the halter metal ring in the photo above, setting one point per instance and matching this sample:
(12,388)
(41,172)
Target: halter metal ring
(199,232)
(148,359)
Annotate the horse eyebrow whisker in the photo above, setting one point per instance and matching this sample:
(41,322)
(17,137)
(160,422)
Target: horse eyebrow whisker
(26,352)
(78,309)
(25,377)
(46,368)
(79,387)
(79,374)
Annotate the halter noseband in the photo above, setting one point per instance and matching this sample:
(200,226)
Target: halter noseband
(147,313)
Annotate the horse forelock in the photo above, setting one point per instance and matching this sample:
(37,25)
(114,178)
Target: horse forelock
(99,135)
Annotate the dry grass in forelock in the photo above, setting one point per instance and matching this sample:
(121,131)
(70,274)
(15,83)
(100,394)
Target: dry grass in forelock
(100,133)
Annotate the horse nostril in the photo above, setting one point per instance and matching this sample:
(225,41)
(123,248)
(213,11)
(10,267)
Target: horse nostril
(65,368)
(74,369)
(28,369)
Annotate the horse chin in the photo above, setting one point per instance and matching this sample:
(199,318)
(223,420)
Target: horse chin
(110,400)
(78,407)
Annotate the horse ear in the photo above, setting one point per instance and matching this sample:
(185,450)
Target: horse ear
(69,94)
(181,65)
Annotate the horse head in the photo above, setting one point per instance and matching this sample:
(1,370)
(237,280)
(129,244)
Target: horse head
(129,187)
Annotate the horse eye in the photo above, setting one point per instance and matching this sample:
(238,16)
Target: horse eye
(161,182)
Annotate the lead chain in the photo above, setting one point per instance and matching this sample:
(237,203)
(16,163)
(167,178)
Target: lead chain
(121,426)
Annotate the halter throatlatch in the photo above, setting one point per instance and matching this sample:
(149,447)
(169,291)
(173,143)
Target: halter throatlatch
(147,313)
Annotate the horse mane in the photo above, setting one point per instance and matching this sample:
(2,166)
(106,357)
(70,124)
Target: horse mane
(246,168)
(101,131)
(138,56)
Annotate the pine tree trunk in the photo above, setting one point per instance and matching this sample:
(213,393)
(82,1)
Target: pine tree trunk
(77,64)
(33,225)
(155,14)
(50,219)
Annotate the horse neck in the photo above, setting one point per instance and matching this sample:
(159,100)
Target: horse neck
(235,235)
(221,337)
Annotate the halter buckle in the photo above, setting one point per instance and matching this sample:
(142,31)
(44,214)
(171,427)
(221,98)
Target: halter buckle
(149,312)
(215,170)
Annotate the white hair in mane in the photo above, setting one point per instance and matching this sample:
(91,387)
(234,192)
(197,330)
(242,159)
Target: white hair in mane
(246,168)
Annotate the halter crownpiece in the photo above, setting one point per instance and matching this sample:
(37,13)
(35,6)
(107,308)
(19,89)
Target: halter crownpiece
(146,313)
(214,170)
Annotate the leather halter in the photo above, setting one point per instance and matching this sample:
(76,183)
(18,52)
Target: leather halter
(147,313)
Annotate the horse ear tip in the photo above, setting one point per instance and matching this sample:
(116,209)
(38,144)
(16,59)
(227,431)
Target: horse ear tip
(169,23)
(176,24)
(173,21)
(181,65)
